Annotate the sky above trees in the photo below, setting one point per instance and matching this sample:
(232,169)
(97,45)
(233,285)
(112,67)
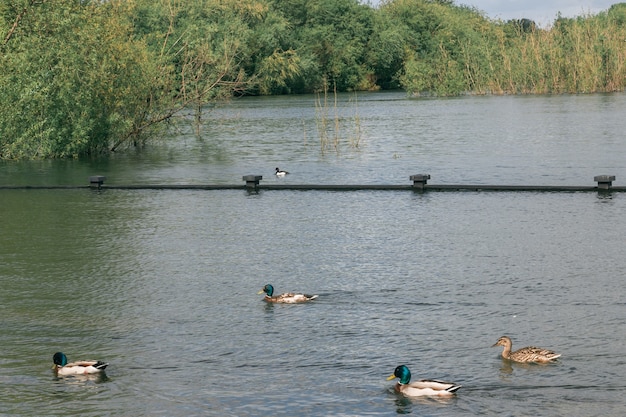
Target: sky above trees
(543,12)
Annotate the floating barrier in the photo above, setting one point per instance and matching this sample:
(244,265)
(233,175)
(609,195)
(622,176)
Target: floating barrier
(604,183)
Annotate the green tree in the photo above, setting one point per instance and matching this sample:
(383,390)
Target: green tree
(83,77)
(330,37)
(71,78)
(446,47)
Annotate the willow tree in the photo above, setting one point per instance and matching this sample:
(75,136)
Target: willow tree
(214,49)
(72,78)
(80,77)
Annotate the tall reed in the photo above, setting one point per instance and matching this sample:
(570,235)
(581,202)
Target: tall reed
(339,124)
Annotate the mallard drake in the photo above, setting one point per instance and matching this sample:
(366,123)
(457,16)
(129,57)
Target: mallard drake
(280,173)
(61,367)
(424,387)
(287,297)
(527,354)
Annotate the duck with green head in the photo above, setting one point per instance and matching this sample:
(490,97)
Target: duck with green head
(424,387)
(285,298)
(61,367)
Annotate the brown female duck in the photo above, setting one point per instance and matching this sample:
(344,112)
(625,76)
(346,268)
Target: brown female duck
(526,354)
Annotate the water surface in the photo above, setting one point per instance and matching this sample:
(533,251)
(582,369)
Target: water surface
(162,284)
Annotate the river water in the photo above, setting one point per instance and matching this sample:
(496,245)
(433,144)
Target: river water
(162,284)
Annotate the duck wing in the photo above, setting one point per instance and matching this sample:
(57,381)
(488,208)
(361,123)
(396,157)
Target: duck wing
(435,385)
(81,363)
(99,365)
(534,354)
(428,387)
(290,297)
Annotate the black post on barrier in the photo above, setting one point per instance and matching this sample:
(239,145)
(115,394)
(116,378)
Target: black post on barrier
(96,181)
(252,181)
(605,182)
(419,180)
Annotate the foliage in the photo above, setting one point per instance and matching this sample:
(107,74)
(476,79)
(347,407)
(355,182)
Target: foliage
(84,77)
(331,37)
(66,87)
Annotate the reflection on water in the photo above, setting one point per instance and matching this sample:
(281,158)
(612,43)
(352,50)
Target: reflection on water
(82,380)
(410,405)
(508,367)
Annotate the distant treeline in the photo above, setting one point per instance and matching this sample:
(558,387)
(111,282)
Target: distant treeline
(81,77)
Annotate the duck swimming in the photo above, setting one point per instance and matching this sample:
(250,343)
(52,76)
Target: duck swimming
(61,367)
(287,298)
(280,173)
(424,387)
(527,354)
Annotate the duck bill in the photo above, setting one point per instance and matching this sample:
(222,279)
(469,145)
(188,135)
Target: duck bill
(261,292)
(390,377)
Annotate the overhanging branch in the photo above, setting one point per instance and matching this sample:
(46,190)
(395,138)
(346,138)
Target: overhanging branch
(18,19)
